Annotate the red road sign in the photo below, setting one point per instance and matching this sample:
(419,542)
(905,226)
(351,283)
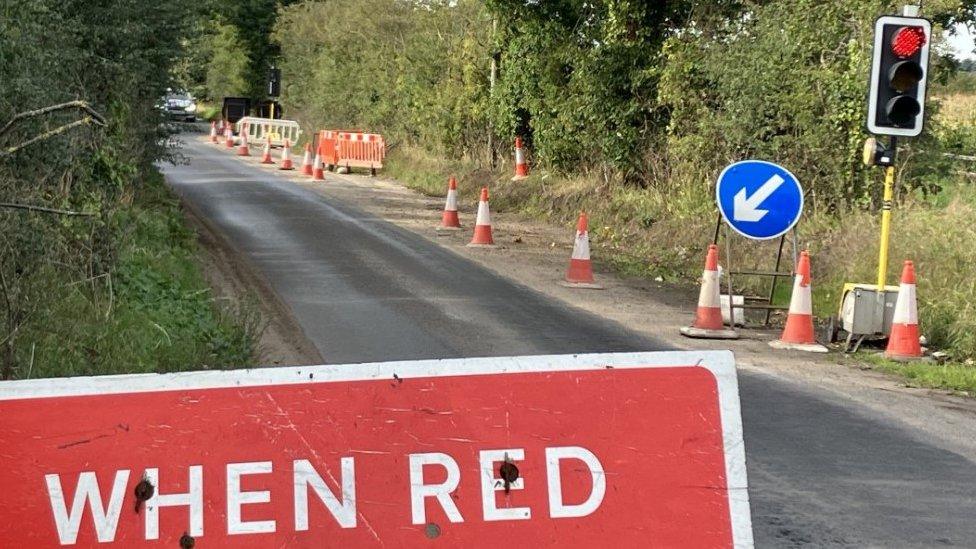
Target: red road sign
(630,450)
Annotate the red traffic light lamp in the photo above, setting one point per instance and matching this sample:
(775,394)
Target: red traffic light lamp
(908,41)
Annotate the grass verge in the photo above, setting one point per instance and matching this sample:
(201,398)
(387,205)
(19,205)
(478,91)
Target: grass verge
(153,313)
(960,378)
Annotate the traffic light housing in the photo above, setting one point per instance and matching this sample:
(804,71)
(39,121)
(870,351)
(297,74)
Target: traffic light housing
(899,70)
(274,82)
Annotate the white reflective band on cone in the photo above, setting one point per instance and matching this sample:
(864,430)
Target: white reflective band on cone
(708,297)
(451,204)
(581,249)
(905,309)
(800,303)
(484,218)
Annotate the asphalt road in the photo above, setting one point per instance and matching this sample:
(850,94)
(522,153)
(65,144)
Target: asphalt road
(822,471)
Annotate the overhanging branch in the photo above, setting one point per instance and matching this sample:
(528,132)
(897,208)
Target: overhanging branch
(77,104)
(43,209)
(48,134)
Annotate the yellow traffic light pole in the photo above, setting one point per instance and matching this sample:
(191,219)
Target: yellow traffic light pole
(863,307)
(885,225)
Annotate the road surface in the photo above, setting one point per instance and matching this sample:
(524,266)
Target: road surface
(822,471)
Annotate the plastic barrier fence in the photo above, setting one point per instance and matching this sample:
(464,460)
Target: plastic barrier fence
(346,149)
(259,129)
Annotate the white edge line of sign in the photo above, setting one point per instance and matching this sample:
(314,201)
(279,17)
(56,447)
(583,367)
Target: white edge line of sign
(720,363)
(725,216)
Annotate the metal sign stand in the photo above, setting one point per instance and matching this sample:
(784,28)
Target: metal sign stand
(755,302)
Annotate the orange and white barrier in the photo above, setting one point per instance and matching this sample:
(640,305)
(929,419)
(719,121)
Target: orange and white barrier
(213,131)
(351,149)
(580,271)
(798,333)
(318,173)
(286,163)
(482,225)
(521,167)
(708,318)
(228,137)
(307,160)
(903,342)
(266,155)
(450,221)
(244,149)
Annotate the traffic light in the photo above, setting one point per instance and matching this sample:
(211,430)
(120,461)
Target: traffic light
(274,82)
(899,69)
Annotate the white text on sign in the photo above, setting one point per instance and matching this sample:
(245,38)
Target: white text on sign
(341,503)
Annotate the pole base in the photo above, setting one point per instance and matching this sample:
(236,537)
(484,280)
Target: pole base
(806,347)
(702,333)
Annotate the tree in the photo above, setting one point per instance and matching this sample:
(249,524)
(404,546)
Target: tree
(228,66)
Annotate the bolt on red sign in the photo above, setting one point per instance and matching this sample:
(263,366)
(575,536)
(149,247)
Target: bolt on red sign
(631,450)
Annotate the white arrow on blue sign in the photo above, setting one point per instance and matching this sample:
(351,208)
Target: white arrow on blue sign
(759,199)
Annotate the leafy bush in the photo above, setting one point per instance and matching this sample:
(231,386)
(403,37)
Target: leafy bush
(67,298)
(152,313)
(414,72)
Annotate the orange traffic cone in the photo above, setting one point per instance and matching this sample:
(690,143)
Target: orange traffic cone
(266,157)
(708,319)
(244,149)
(307,160)
(903,343)
(450,221)
(213,131)
(286,163)
(798,332)
(580,272)
(521,168)
(318,173)
(482,225)
(228,137)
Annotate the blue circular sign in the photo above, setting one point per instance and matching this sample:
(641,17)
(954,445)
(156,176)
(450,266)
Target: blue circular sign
(759,199)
